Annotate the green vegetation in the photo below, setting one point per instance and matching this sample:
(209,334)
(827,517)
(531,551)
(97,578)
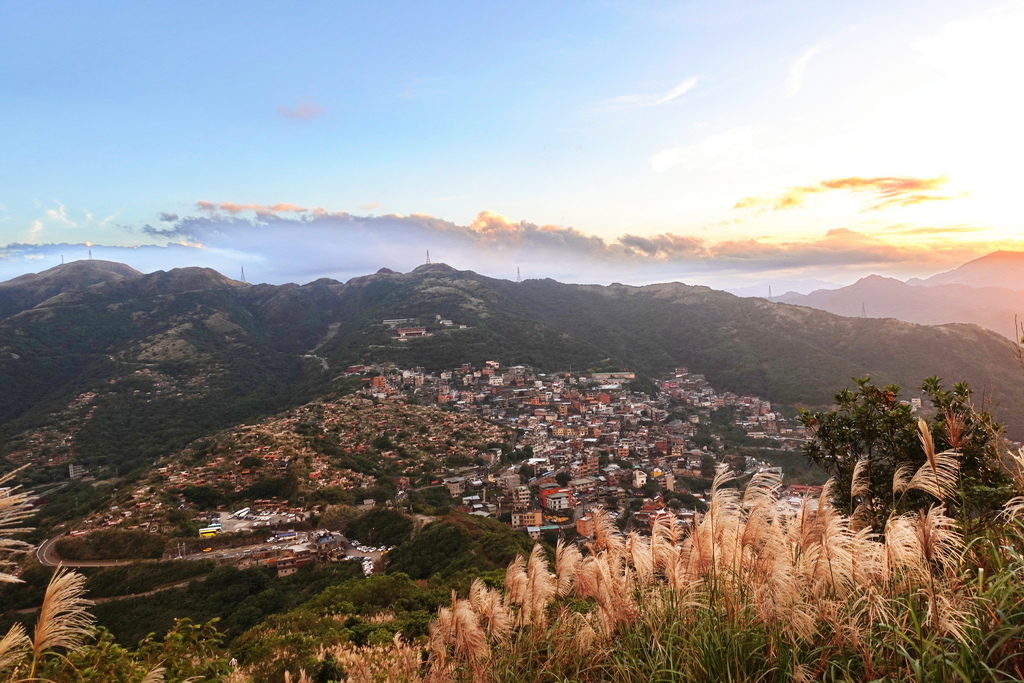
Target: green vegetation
(434,500)
(110,544)
(381,527)
(872,443)
(102,582)
(239,598)
(457,543)
(75,500)
(358,612)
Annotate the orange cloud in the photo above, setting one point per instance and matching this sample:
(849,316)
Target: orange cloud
(949,229)
(883,192)
(231,207)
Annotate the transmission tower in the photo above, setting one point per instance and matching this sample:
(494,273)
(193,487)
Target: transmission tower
(770,294)
(428,257)
(519,277)
(90,254)
(243,273)
(863,310)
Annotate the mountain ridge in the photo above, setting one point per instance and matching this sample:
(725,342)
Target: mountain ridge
(170,356)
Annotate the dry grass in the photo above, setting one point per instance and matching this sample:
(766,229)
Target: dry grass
(63,625)
(14,508)
(750,591)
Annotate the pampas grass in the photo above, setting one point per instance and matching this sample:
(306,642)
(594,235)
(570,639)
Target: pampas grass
(64,620)
(14,508)
(14,647)
(749,591)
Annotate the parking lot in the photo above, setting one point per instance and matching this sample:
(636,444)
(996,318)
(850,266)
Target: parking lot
(254,520)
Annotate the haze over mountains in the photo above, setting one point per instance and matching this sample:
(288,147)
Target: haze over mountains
(988,291)
(174,355)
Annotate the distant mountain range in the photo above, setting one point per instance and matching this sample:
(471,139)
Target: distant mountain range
(140,364)
(988,291)
(1004,269)
(778,287)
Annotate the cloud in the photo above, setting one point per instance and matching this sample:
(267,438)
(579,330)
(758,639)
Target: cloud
(232,208)
(303,111)
(882,192)
(302,247)
(370,206)
(167,217)
(685,86)
(795,77)
(732,144)
(60,215)
(927,230)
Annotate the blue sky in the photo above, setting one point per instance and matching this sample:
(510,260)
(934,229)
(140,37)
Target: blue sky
(751,140)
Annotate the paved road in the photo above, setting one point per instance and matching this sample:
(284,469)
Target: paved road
(46,553)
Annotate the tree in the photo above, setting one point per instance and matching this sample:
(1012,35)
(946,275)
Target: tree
(337,517)
(387,527)
(871,434)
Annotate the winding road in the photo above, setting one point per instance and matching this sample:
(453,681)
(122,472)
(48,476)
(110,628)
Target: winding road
(46,553)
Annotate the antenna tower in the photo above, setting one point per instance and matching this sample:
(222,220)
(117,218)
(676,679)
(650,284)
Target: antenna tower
(428,257)
(243,273)
(519,277)
(90,254)
(863,311)
(62,259)
(770,294)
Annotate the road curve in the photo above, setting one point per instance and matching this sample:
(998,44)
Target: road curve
(46,553)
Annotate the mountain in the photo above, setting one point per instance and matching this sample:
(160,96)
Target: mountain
(32,289)
(774,289)
(999,269)
(114,371)
(874,296)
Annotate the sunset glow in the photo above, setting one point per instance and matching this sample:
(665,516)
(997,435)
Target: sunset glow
(718,143)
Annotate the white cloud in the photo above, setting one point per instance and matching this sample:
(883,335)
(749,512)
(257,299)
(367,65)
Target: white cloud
(795,79)
(35,231)
(655,100)
(726,145)
(60,215)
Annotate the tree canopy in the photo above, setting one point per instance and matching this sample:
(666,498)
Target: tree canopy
(871,434)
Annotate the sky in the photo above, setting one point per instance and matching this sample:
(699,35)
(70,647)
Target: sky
(726,143)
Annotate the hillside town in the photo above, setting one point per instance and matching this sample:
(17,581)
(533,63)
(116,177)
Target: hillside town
(593,440)
(539,452)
